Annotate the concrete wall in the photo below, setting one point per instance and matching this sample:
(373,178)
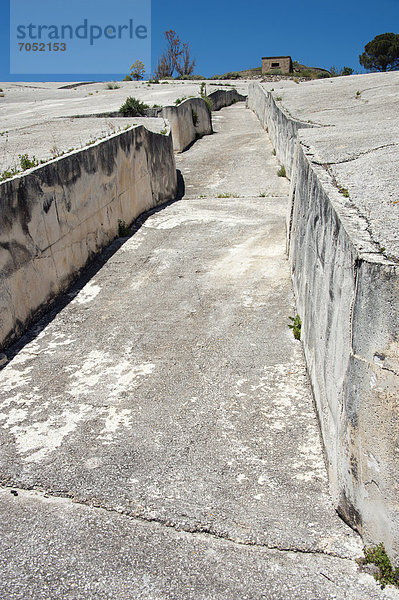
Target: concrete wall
(347,295)
(222,98)
(59,215)
(281,127)
(180,117)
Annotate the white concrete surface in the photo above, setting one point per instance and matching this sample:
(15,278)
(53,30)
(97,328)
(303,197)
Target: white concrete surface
(344,252)
(158,435)
(58,216)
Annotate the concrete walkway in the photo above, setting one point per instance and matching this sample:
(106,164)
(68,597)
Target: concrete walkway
(158,435)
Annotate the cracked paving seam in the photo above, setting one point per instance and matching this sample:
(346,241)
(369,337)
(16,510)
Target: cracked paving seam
(195,530)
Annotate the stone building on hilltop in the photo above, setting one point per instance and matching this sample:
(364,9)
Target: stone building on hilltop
(276,63)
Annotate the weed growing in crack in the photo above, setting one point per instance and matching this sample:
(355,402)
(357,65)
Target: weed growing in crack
(180,100)
(205,97)
(344,192)
(282,172)
(25,163)
(296,326)
(386,574)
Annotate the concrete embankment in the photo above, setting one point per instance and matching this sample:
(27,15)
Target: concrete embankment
(281,127)
(192,119)
(59,215)
(343,251)
(188,121)
(49,119)
(223,98)
(158,437)
(56,217)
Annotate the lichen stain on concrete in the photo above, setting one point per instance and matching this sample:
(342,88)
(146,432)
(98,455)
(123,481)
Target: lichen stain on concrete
(250,302)
(13,378)
(253,256)
(238,392)
(87,294)
(288,407)
(113,420)
(58,340)
(14,416)
(94,462)
(99,371)
(132,243)
(162,222)
(195,215)
(43,437)
(35,348)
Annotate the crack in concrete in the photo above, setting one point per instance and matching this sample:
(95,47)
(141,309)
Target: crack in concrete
(380,251)
(368,362)
(240,197)
(355,157)
(194,530)
(372,481)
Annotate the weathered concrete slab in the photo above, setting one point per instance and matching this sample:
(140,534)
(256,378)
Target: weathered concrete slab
(178,376)
(52,138)
(59,215)
(223,98)
(25,103)
(81,552)
(30,113)
(357,141)
(188,121)
(240,165)
(171,390)
(344,252)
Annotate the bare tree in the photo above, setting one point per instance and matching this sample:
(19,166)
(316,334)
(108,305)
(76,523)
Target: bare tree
(177,57)
(185,65)
(174,50)
(164,68)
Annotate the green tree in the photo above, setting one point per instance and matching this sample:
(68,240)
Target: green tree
(347,71)
(336,72)
(137,70)
(382,53)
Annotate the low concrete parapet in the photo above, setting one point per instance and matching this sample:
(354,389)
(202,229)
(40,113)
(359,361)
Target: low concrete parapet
(281,127)
(56,217)
(191,119)
(347,294)
(188,121)
(222,98)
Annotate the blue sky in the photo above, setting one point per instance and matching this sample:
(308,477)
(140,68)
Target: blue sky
(234,35)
